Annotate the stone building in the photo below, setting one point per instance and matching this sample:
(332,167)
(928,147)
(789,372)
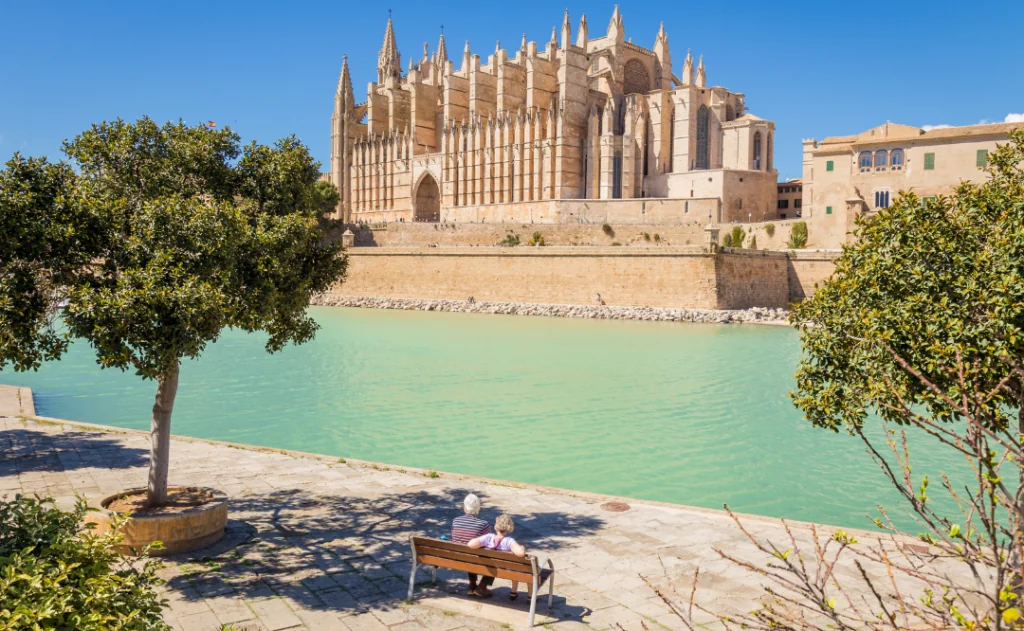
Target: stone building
(847,176)
(516,136)
(791,195)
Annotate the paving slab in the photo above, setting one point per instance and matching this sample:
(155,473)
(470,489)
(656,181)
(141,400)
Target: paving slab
(316,544)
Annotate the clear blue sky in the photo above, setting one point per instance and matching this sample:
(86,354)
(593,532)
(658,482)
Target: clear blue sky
(270,69)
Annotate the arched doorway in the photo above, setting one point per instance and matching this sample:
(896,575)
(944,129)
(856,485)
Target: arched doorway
(428,200)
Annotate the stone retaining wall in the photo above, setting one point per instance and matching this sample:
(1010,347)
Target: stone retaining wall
(674,278)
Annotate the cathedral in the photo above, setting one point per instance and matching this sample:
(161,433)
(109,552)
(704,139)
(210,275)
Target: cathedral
(572,130)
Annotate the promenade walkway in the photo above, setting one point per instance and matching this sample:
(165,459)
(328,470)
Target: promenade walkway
(321,544)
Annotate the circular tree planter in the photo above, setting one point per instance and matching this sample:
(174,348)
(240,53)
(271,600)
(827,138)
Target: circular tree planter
(194,518)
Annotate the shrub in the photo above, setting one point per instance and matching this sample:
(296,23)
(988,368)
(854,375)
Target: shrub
(798,237)
(770,229)
(647,236)
(657,237)
(55,573)
(536,239)
(616,243)
(753,242)
(608,230)
(735,238)
(511,240)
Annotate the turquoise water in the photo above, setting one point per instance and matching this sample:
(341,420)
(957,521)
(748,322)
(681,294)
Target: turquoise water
(687,413)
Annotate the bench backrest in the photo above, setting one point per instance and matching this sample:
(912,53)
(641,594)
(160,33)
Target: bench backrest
(474,560)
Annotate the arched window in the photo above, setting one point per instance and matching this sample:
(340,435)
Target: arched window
(896,159)
(768,153)
(757,151)
(865,161)
(730,113)
(881,159)
(881,199)
(703,158)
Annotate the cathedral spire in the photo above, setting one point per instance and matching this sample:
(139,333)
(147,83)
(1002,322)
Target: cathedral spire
(554,35)
(389,61)
(615,28)
(701,79)
(688,68)
(566,31)
(522,47)
(442,51)
(345,81)
(581,35)
(465,58)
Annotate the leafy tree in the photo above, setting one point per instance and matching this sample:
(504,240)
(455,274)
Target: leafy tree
(922,324)
(57,574)
(734,238)
(197,235)
(327,197)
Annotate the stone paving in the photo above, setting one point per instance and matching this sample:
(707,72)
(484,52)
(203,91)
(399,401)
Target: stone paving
(318,543)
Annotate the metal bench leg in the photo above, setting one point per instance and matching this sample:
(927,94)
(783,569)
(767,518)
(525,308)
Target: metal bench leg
(551,589)
(533,603)
(434,577)
(412,579)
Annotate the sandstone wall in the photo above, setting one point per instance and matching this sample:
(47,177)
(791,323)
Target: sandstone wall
(807,270)
(482,234)
(671,277)
(677,277)
(752,278)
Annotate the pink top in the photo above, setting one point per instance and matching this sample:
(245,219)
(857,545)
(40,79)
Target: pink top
(504,544)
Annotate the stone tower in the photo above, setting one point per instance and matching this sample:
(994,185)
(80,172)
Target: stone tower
(344,108)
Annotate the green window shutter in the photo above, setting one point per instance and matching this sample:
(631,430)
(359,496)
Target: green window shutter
(829,165)
(929,162)
(828,210)
(982,157)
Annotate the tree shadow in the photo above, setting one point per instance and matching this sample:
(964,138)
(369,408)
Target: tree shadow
(346,553)
(24,450)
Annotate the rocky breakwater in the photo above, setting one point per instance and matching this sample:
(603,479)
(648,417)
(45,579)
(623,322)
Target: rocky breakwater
(756,315)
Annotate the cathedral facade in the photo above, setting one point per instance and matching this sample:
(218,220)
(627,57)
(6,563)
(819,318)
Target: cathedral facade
(528,135)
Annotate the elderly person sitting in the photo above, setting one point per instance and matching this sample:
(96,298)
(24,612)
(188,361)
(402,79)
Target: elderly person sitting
(467,527)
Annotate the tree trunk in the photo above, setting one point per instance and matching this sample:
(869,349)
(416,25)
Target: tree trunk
(160,437)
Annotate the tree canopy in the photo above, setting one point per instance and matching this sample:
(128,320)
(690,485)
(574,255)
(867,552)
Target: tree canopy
(166,236)
(932,284)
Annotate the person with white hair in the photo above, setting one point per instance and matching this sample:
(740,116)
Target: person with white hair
(467,527)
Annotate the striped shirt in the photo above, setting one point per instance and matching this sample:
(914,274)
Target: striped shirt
(468,527)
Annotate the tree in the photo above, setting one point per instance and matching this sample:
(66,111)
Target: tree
(921,324)
(327,197)
(190,242)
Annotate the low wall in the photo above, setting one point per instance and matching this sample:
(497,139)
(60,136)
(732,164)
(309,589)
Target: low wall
(487,234)
(808,270)
(671,277)
(565,211)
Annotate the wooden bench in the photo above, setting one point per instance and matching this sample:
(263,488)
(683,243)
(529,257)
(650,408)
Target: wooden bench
(455,556)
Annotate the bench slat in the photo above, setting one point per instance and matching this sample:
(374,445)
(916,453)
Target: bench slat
(468,555)
(473,568)
(458,547)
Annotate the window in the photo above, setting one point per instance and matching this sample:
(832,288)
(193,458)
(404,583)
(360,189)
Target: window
(865,161)
(741,204)
(896,159)
(757,151)
(829,165)
(881,160)
(783,203)
(982,157)
(828,210)
(929,162)
(881,199)
(703,153)
(797,203)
